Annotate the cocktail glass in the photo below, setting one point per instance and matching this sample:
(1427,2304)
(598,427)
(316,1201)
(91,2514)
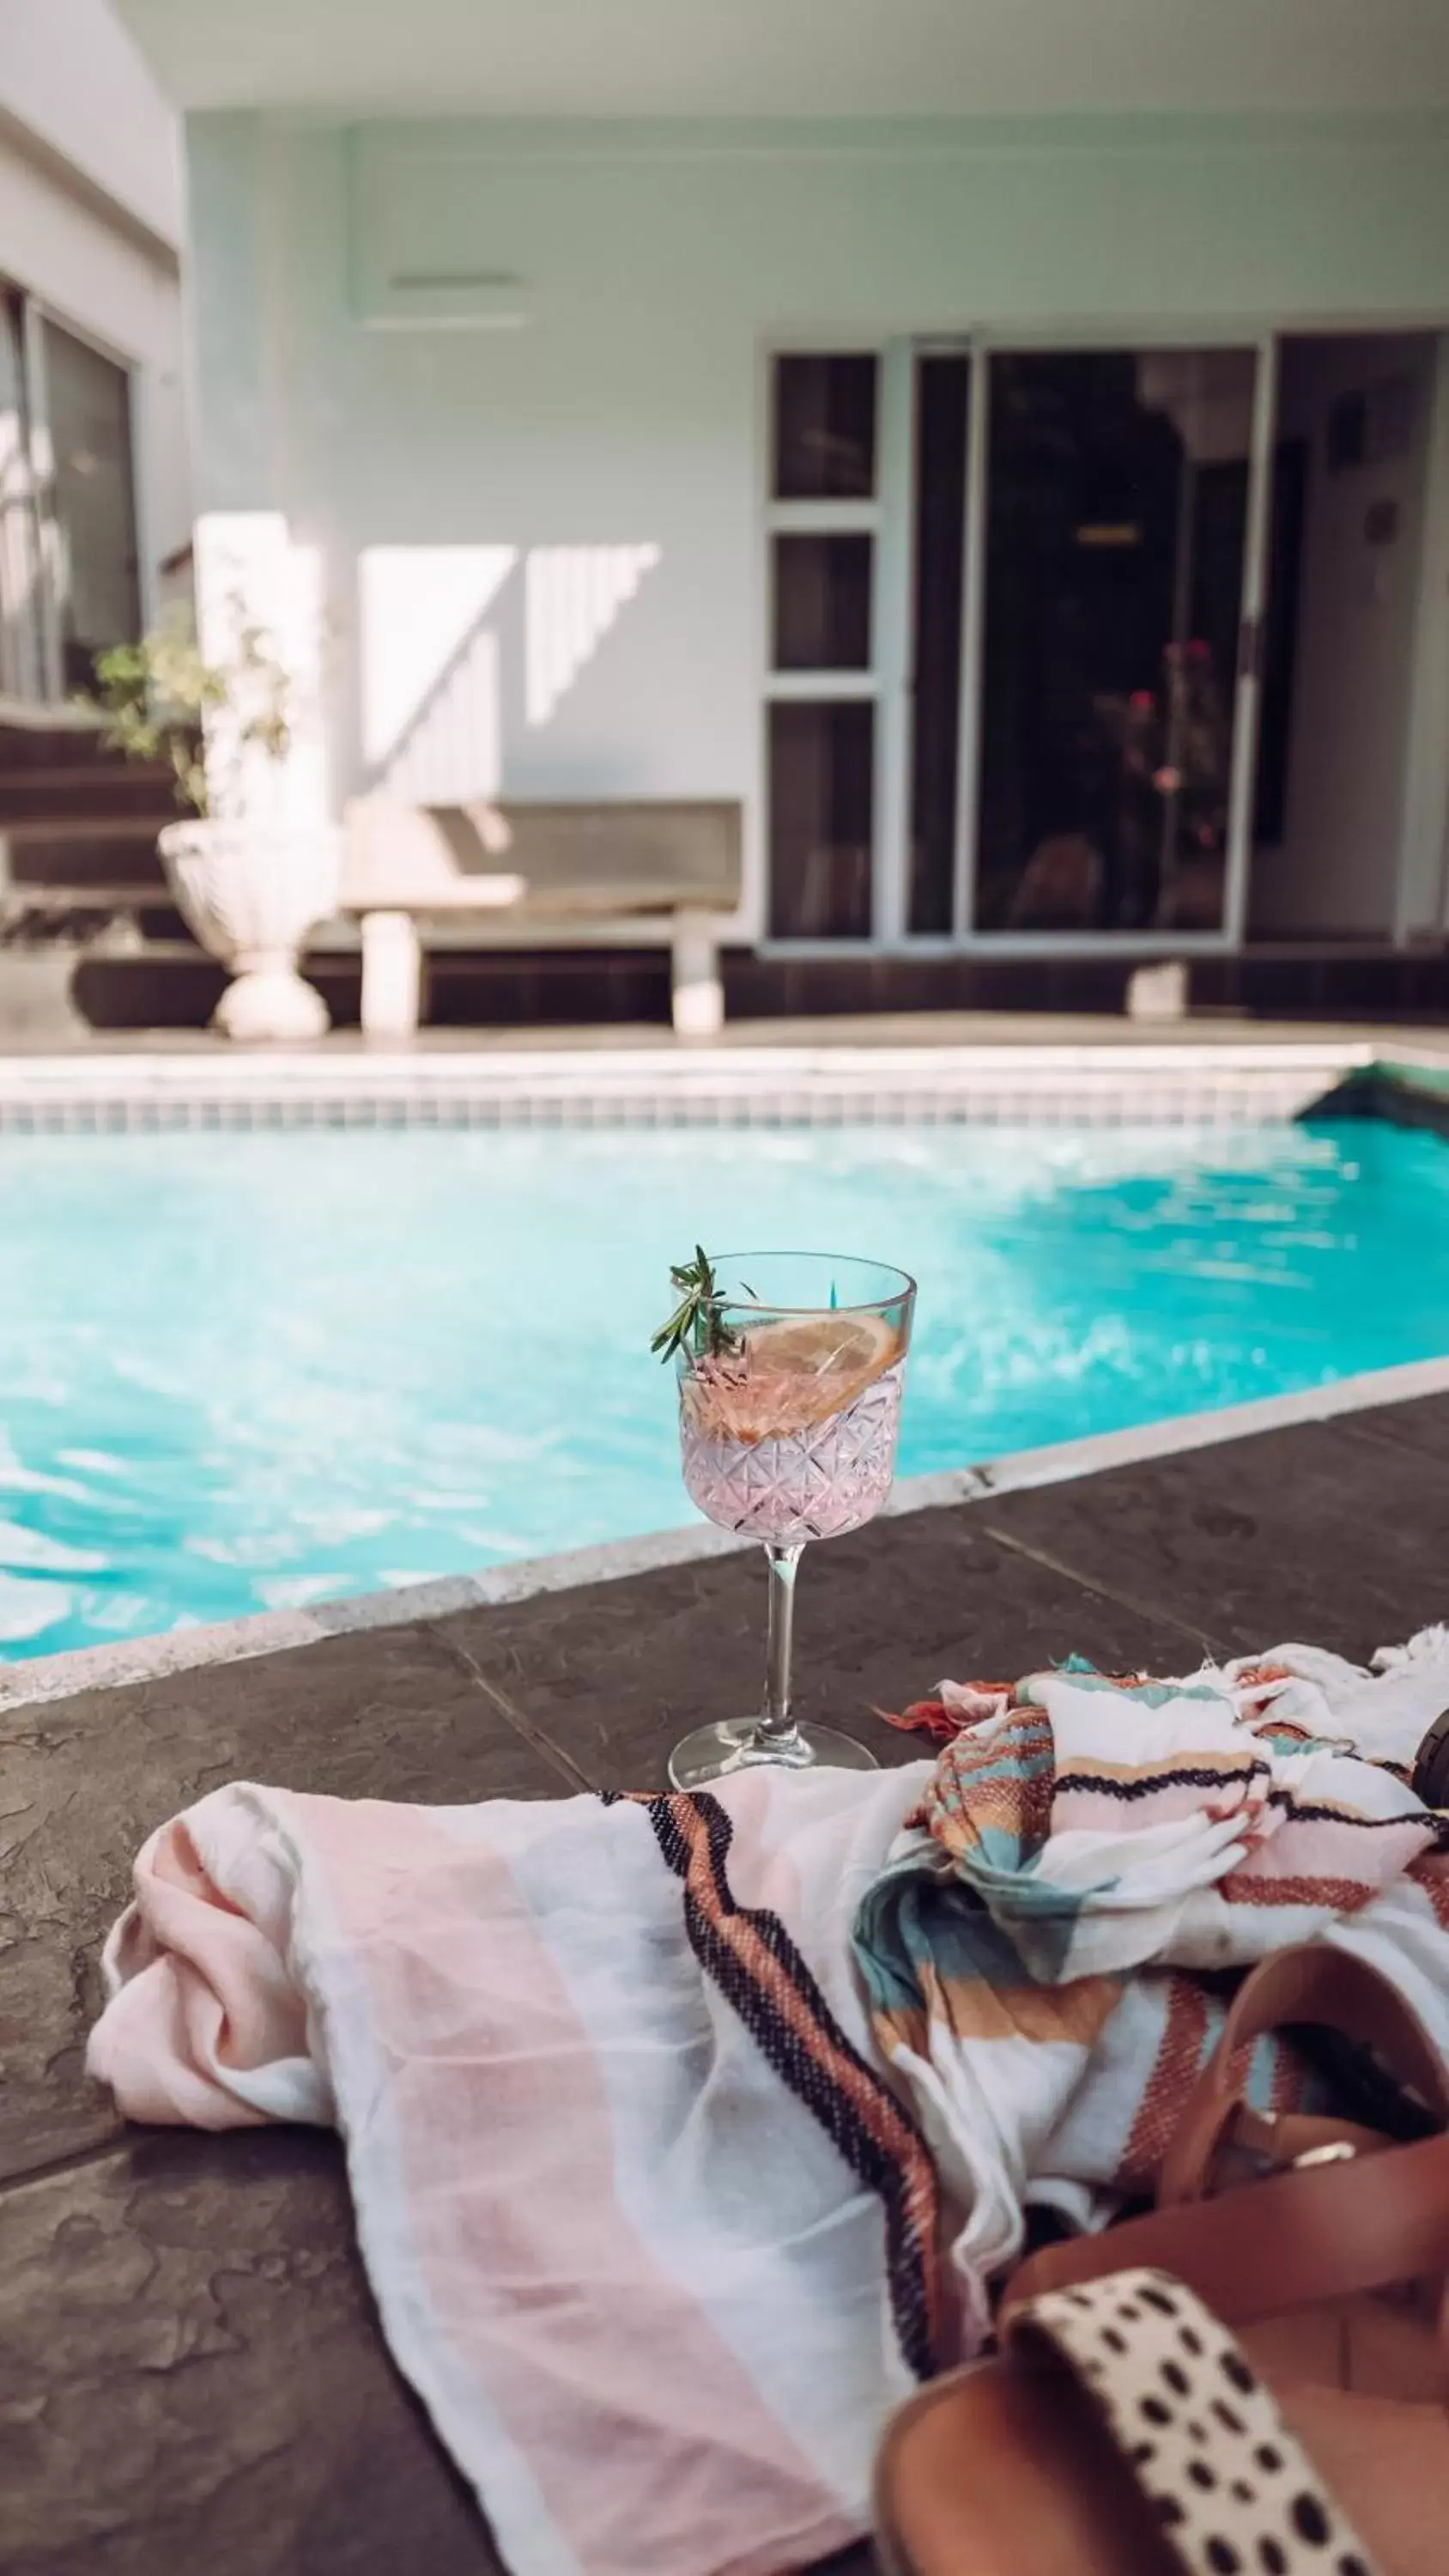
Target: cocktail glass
(790,1389)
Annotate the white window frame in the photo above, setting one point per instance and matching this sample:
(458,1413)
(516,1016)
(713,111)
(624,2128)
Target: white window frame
(831,518)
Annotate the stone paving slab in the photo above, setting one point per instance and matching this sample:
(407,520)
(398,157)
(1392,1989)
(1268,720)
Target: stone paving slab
(613,1676)
(190,2369)
(83,1781)
(192,2376)
(1422,1426)
(1310,1534)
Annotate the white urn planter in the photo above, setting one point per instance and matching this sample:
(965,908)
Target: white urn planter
(251,892)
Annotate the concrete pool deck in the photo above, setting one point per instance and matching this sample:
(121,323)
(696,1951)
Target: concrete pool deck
(190,2369)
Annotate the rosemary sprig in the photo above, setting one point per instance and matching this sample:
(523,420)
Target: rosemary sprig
(699,1316)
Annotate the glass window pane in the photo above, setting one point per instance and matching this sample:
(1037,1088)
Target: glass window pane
(822,799)
(822,603)
(942,393)
(824,442)
(1115,530)
(22,636)
(89,407)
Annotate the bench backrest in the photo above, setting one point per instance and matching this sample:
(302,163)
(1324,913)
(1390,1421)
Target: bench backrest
(579,859)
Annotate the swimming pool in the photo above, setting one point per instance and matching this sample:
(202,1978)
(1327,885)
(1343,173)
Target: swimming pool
(249,1371)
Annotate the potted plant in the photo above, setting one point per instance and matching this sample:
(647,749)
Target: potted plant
(250,884)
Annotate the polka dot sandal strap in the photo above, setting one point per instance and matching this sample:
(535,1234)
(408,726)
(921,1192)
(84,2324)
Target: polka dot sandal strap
(1235,2493)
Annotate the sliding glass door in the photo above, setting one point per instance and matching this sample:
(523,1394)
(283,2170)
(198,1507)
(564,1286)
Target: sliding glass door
(69,567)
(92,501)
(1116,528)
(1078,537)
(25,654)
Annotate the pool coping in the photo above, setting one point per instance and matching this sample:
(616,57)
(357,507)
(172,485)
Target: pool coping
(130,1661)
(1176,1080)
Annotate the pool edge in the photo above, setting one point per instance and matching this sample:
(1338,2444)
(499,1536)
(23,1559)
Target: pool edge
(1158,1078)
(268,1632)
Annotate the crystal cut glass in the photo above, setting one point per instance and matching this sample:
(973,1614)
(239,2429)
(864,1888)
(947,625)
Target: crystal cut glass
(790,1387)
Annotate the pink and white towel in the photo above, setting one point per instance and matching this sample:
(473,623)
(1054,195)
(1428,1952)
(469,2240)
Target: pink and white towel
(648,2231)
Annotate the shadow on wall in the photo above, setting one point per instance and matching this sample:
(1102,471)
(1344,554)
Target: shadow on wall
(465,648)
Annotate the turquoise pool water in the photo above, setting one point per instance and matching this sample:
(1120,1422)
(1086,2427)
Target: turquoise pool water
(245,1372)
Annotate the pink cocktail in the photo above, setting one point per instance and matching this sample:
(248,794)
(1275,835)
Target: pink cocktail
(791,1373)
(816,1482)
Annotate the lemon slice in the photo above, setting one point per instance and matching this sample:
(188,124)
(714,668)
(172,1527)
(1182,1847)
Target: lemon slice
(791,1375)
(856,1347)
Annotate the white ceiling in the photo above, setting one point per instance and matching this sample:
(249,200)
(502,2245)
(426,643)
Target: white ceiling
(793,58)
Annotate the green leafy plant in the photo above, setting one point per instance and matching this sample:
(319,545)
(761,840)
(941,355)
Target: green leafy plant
(698,1319)
(153,700)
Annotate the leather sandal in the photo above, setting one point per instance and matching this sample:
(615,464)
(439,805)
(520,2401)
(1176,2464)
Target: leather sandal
(1125,2430)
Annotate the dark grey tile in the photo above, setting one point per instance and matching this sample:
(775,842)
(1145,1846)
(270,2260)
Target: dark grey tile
(83,1781)
(1301,1534)
(1422,1426)
(612,1674)
(192,2376)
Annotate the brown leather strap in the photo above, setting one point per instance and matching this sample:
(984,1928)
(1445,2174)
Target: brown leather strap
(1366,2217)
(1310,1982)
(1325,2232)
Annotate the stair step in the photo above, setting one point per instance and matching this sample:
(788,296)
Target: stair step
(69,795)
(72,747)
(84,894)
(104,853)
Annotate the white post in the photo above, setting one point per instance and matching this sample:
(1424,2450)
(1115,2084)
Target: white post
(698,993)
(392,975)
(1158,992)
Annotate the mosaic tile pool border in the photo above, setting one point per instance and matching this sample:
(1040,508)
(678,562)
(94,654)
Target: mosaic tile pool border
(1176,1085)
(140,1660)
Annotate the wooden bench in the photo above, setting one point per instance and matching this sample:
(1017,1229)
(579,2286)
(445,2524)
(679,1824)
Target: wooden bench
(512,868)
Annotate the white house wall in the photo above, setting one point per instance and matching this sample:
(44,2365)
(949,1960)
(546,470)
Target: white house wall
(75,77)
(546,341)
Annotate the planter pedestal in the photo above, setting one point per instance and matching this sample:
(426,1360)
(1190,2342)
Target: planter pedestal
(268,1002)
(251,893)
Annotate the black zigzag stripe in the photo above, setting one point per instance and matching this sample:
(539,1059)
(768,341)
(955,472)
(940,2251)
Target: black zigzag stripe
(1302,1811)
(803,2069)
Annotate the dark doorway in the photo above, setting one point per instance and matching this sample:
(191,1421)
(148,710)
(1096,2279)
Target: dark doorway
(1115,538)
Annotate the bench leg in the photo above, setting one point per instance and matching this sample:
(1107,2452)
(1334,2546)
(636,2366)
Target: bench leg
(698,993)
(392,975)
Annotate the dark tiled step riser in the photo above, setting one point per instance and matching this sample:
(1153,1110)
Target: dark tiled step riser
(52,747)
(563,988)
(86,857)
(80,796)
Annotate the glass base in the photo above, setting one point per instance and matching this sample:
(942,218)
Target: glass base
(739,1744)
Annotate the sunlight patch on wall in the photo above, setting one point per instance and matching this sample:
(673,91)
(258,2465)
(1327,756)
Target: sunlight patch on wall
(250,573)
(573,595)
(431,716)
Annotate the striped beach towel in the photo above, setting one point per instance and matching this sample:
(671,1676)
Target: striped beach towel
(685,2133)
(649,2231)
(1049,1953)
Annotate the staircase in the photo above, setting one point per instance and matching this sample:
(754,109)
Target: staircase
(83,896)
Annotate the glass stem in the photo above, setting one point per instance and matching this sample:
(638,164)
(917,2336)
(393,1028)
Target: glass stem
(782,1561)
